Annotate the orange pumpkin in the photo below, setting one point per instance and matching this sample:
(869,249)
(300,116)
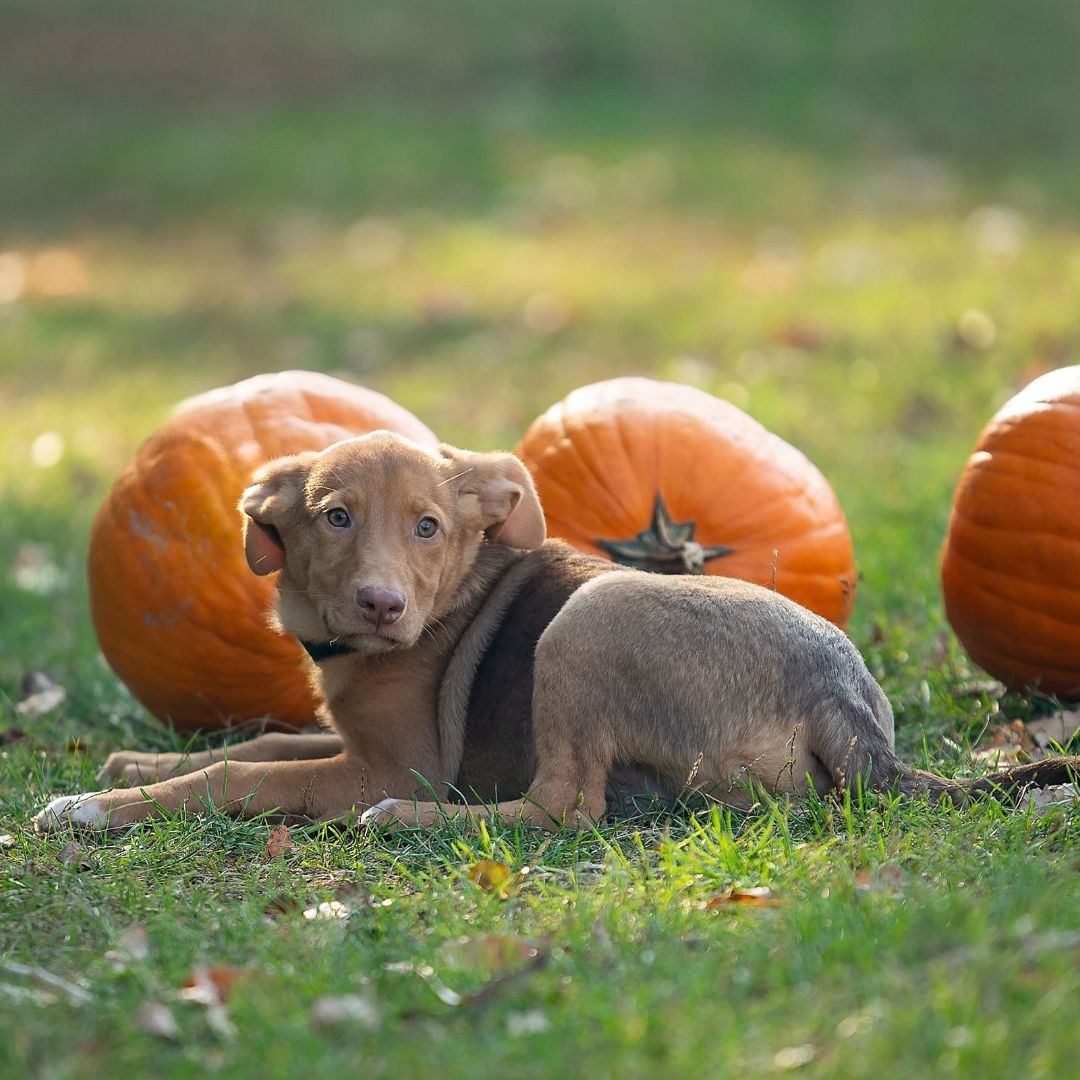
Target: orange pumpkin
(668,478)
(1010,569)
(180,617)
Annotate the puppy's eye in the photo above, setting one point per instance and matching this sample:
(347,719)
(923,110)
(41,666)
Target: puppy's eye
(426,528)
(338,518)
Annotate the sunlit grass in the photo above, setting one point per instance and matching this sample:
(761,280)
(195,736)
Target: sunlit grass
(855,222)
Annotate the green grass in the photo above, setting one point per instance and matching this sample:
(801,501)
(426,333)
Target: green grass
(790,205)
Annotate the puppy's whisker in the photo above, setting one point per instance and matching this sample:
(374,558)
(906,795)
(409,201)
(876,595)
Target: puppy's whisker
(456,476)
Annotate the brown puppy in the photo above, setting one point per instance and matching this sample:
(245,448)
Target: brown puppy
(458,652)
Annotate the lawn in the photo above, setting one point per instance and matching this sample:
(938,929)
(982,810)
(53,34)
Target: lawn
(857,222)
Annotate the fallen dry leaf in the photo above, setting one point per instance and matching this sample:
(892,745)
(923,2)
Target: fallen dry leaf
(212,985)
(72,856)
(495,877)
(132,947)
(885,879)
(494,953)
(209,987)
(353,1009)
(157,1019)
(35,572)
(490,876)
(530,1022)
(1060,727)
(1046,799)
(278,842)
(794,1057)
(277,906)
(1009,743)
(757,896)
(40,695)
(1012,733)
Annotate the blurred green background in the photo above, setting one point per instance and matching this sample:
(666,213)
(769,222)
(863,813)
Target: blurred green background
(856,221)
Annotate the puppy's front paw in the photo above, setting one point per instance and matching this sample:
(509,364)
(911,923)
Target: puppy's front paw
(81,811)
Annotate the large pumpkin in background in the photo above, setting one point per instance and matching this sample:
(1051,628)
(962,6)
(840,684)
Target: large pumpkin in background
(1010,569)
(180,617)
(668,478)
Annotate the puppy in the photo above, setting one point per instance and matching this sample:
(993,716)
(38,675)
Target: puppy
(460,654)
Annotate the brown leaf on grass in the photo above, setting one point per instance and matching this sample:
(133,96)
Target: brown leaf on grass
(756,896)
(278,842)
(1012,733)
(1046,800)
(71,856)
(1060,727)
(794,1057)
(132,947)
(34,571)
(494,953)
(1009,743)
(345,1009)
(887,879)
(801,335)
(481,998)
(489,876)
(40,695)
(212,985)
(495,877)
(209,987)
(277,906)
(156,1019)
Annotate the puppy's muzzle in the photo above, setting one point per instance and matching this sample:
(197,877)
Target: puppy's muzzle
(380,607)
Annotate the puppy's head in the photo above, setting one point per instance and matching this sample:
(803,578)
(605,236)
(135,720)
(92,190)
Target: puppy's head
(375,535)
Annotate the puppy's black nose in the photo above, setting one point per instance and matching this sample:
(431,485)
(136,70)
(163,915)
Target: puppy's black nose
(380,606)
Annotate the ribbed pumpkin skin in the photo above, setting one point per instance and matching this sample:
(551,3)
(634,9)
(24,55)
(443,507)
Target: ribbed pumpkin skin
(1010,568)
(601,456)
(179,616)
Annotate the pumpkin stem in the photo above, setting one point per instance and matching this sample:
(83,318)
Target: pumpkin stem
(665,547)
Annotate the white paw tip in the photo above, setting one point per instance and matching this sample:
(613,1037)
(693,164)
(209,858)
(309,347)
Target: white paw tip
(79,810)
(380,811)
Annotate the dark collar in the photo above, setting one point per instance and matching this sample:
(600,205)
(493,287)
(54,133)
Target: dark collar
(320,650)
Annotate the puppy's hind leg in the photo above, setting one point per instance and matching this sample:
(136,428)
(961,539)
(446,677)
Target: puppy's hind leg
(573,739)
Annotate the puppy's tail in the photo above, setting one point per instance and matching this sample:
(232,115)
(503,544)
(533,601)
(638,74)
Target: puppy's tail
(1008,785)
(857,750)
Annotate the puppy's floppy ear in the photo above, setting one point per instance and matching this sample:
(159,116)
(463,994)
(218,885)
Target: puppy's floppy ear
(498,489)
(275,493)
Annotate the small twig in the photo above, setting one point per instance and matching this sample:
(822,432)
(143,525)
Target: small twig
(480,999)
(46,980)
